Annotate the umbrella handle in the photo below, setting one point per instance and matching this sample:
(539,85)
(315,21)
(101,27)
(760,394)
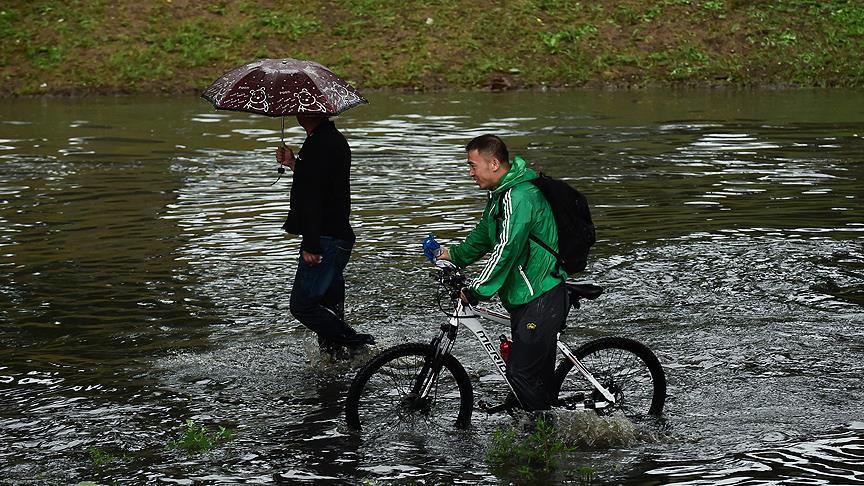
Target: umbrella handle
(281,171)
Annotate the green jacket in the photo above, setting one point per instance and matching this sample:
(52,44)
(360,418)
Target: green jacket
(518,269)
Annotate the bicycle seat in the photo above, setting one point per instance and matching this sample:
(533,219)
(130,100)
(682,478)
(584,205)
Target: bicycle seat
(587,291)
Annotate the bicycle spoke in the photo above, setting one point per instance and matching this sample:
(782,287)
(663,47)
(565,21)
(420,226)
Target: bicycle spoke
(623,367)
(624,373)
(387,398)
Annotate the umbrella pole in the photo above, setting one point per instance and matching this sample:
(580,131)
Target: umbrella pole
(280,169)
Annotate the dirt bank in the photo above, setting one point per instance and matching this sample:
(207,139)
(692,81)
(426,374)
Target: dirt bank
(175,46)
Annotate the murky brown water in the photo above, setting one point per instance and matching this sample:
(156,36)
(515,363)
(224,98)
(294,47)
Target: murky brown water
(144,281)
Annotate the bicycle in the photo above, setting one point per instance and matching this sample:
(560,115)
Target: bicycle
(423,383)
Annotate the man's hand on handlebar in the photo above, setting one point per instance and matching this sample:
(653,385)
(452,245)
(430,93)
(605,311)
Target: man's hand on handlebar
(467,296)
(450,276)
(445,255)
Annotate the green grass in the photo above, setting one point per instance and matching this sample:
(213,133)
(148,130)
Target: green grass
(195,438)
(126,46)
(532,455)
(100,457)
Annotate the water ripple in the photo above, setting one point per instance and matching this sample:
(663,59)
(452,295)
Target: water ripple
(146,282)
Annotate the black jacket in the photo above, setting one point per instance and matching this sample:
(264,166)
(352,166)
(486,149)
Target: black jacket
(321,190)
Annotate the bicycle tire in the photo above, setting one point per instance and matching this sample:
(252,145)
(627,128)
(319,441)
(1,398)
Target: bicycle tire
(625,367)
(380,398)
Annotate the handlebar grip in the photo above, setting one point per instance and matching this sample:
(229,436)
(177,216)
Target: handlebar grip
(469,294)
(445,264)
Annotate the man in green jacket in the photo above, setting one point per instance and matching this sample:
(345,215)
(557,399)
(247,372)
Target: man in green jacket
(524,275)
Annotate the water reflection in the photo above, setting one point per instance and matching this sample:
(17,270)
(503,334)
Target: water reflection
(145,281)
(832,459)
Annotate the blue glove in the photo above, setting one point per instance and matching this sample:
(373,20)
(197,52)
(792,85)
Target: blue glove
(431,249)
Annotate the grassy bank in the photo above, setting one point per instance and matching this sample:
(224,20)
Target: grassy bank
(172,46)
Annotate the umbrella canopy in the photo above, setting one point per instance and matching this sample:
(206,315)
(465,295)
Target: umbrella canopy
(283,87)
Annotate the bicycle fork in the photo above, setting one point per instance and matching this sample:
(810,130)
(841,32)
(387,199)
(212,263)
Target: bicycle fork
(565,350)
(424,385)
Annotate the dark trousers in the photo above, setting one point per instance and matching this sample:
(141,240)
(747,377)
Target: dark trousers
(531,366)
(318,295)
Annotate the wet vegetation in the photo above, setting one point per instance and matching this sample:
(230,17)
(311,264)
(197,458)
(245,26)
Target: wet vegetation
(193,439)
(196,438)
(100,457)
(177,46)
(532,453)
(548,450)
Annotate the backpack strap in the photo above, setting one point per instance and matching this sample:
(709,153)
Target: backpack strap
(545,247)
(558,263)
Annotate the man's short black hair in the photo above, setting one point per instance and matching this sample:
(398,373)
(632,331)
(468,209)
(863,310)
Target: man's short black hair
(490,146)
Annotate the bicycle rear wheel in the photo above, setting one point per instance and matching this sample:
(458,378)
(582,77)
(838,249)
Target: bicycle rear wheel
(383,396)
(623,366)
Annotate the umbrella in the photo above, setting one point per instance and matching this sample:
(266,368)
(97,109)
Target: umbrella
(283,87)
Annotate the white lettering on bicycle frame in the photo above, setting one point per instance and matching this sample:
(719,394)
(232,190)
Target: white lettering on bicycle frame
(469,319)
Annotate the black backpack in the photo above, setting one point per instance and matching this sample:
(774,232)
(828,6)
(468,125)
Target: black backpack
(576,233)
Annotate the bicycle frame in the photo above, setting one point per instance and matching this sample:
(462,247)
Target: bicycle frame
(425,382)
(469,317)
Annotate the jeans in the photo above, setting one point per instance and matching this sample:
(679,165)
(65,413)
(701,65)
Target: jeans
(318,295)
(531,366)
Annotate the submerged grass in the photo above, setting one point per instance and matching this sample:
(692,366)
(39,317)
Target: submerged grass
(533,454)
(547,451)
(125,46)
(100,457)
(196,438)
(526,455)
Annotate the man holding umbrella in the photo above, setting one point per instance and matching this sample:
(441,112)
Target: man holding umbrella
(321,190)
(320,206)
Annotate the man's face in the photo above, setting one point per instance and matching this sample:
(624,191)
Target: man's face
(485,170)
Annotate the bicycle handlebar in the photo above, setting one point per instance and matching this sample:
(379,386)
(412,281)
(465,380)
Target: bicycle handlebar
(450,276)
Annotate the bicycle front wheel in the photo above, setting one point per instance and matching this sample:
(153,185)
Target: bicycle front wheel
(627,368)
(384,394)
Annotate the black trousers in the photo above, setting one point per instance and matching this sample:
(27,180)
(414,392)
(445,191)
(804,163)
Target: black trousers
(531,366)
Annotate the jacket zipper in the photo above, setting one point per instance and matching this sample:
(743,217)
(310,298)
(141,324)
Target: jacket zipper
(525,278)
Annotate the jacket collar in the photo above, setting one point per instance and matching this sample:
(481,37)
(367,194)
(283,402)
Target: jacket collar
(519,172)
(324,126)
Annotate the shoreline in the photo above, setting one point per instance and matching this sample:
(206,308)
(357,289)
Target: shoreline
(77,94)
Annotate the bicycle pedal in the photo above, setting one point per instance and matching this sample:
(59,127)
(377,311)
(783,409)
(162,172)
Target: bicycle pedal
(572,402)
(484,405)
(489,408)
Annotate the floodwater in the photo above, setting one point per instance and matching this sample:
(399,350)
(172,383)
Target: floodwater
(144,282)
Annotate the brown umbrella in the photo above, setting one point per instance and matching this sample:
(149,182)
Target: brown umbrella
(283,87)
